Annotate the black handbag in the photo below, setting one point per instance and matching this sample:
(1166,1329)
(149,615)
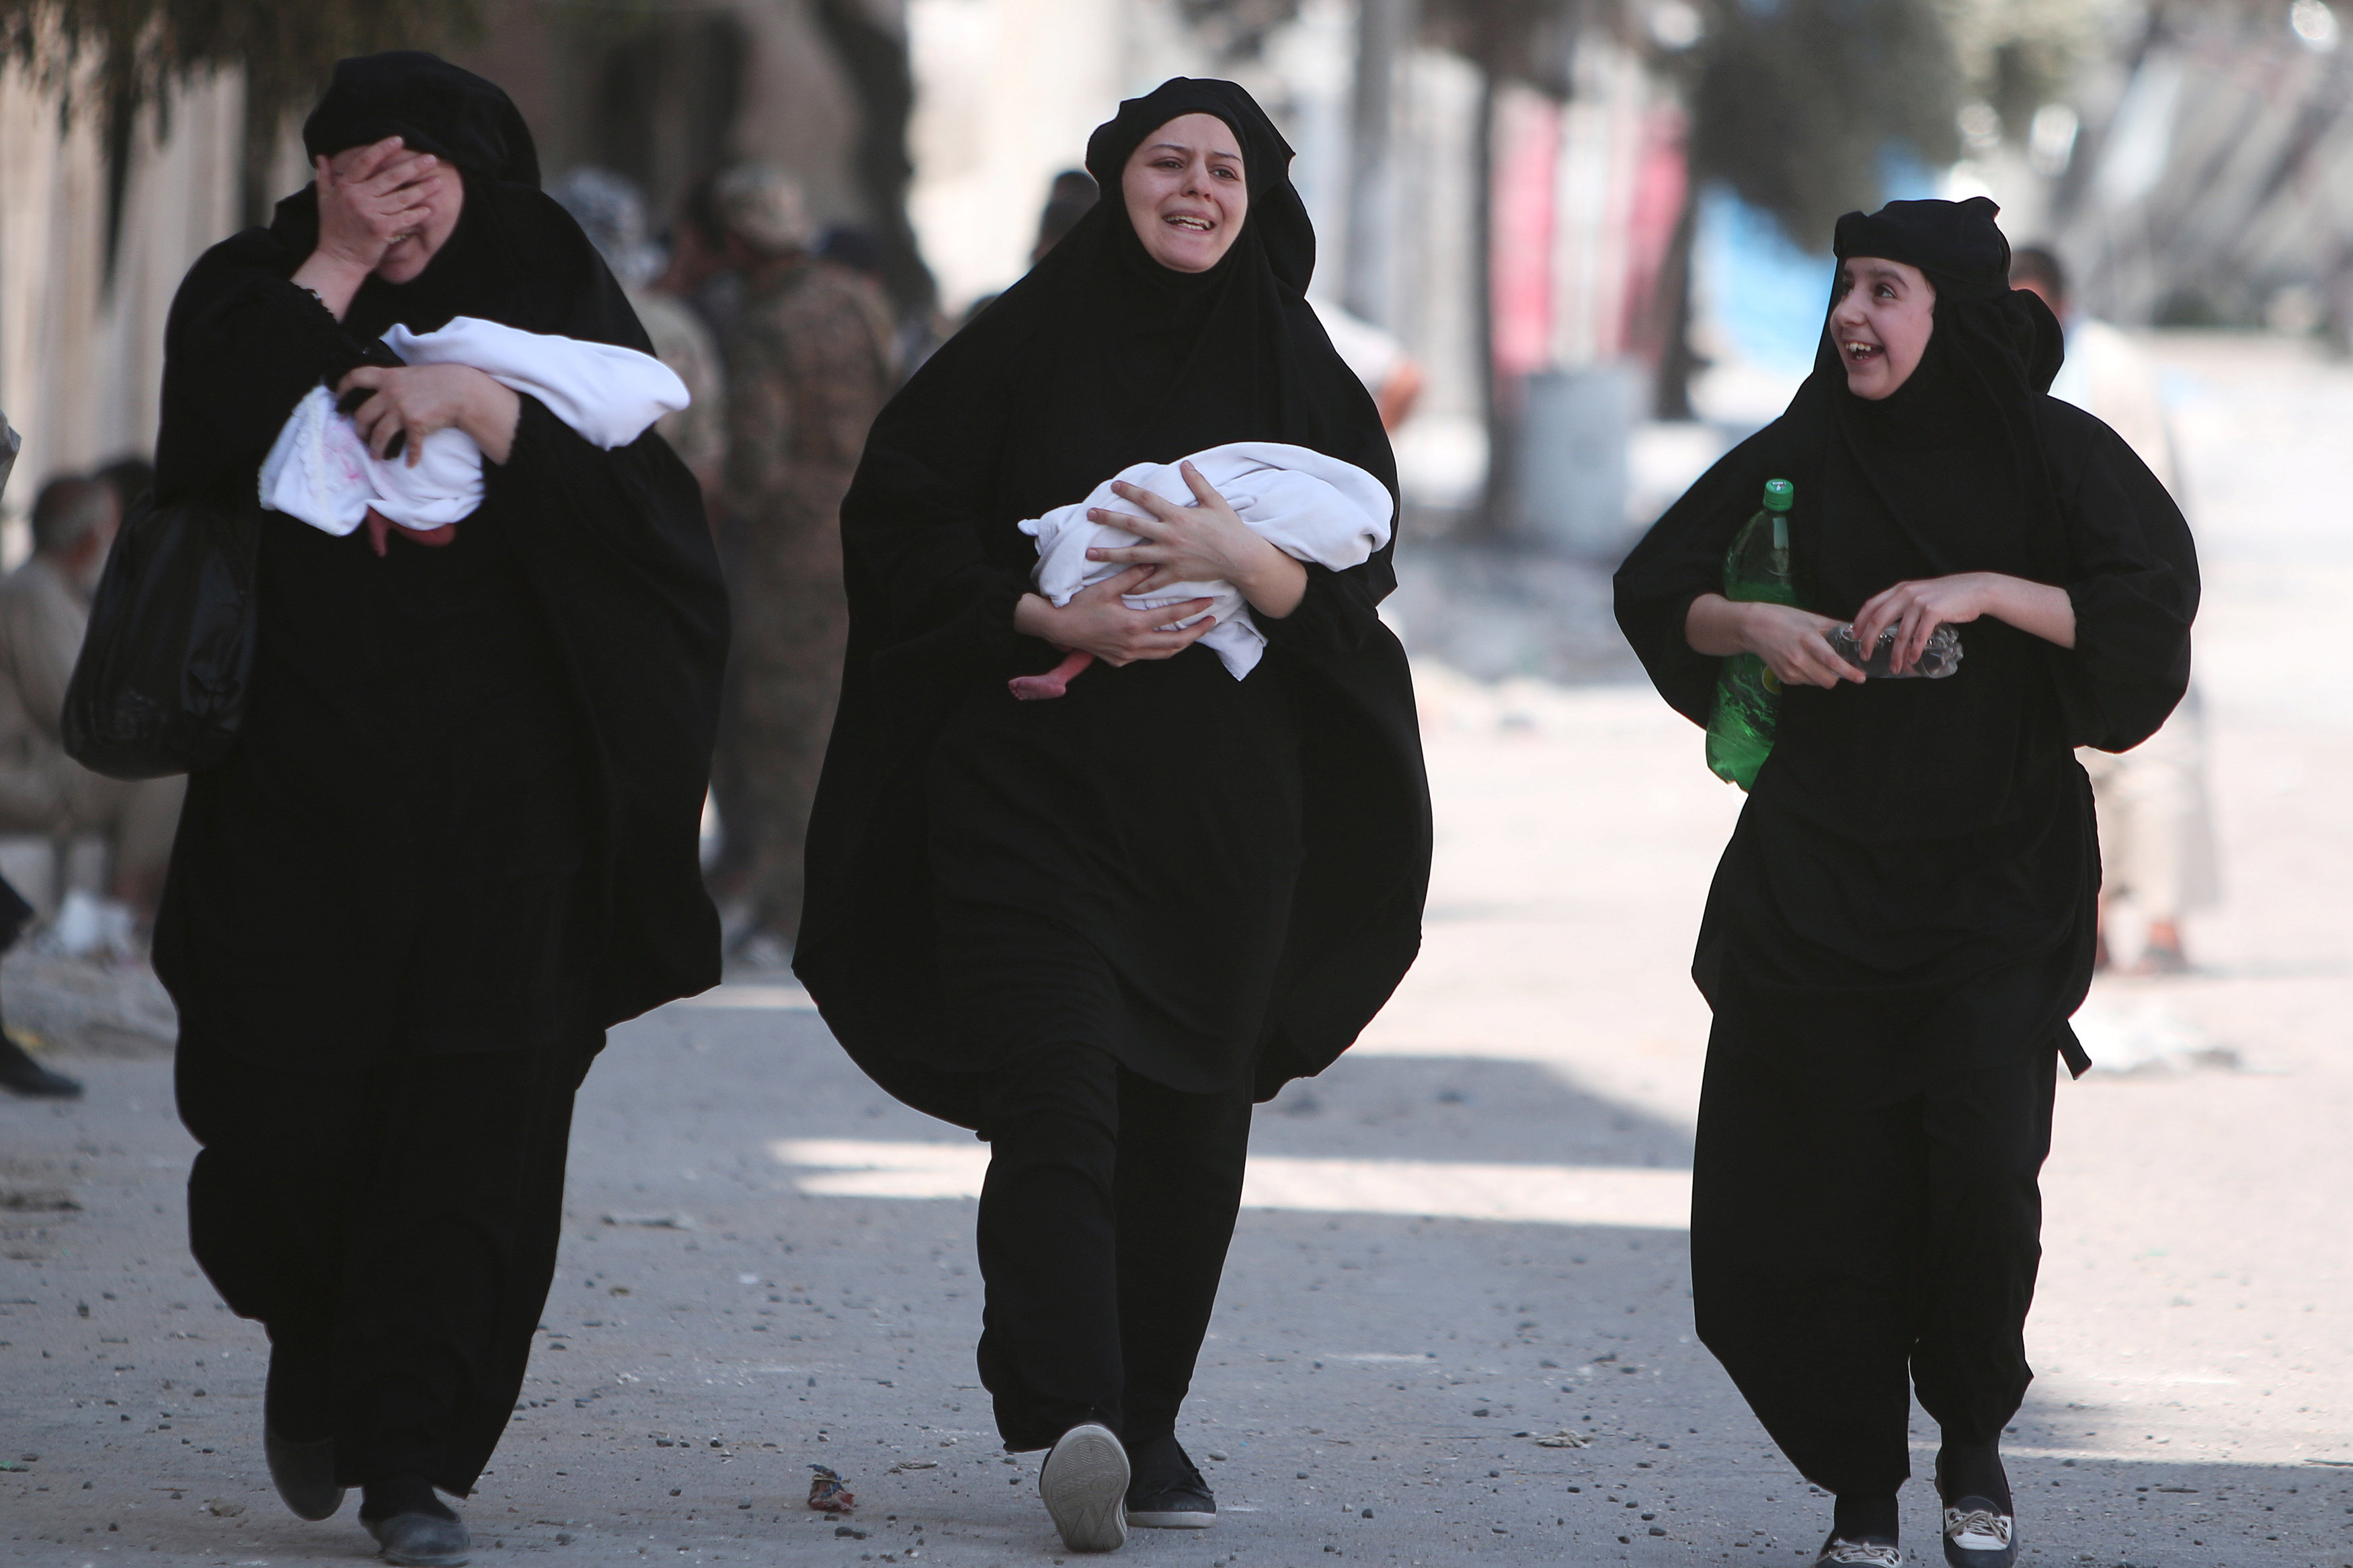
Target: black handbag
(162,681)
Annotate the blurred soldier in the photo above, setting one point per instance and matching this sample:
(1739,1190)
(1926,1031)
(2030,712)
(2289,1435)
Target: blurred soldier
(2157,833)
(613,213)
(809,363)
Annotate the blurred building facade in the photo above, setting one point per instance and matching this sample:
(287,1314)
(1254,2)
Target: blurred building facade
(1521,191)
(96,230)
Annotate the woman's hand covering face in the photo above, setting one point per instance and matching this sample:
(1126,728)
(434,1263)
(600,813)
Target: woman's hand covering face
(387,210)
(1881,322)
(1185,192)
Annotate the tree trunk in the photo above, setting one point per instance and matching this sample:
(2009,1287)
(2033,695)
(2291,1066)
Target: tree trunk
(1671,299)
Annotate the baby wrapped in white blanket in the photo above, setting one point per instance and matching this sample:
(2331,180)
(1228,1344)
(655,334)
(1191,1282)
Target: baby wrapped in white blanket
(1311,507)
(320,470)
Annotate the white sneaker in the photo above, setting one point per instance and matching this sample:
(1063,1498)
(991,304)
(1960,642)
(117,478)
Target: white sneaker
(1978,1535)
(1840,1553)
(1085,1485)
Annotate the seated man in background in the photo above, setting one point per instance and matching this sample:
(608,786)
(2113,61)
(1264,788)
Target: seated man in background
(43,611)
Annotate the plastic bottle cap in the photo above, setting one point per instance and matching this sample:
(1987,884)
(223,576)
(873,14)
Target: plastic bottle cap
(1779,495)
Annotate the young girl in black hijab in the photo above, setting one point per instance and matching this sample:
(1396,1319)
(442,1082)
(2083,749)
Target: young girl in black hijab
(457,839)
(1903,920)
(1097,929)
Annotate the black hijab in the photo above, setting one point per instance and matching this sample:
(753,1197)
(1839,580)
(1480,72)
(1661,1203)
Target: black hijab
(1991,355)
(432,105)
(516,257)
(1150,364)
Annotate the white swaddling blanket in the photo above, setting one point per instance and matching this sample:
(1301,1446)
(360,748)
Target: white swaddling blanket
(1309,506)
(320,471)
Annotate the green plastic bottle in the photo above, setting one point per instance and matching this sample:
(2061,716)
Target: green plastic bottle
(1748,695)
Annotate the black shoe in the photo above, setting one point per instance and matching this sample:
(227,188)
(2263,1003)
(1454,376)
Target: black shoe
(1838,1553)
(1978,1534)
(422,1540)
(20,1074)
(305,1474)
(1166,1492)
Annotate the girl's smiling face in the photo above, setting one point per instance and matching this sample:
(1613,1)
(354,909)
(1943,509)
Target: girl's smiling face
(1881,321)
(1184,191)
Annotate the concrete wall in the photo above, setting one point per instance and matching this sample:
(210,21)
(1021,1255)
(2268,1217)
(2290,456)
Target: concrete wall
(81,345)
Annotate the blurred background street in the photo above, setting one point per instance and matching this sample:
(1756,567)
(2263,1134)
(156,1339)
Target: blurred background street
(1576,246)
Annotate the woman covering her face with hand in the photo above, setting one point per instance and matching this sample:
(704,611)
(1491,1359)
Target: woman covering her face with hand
(457,839)
(1097,929)
(1905,919)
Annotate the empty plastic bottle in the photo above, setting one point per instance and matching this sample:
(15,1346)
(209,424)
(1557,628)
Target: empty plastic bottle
(1748,694)
(1937,660)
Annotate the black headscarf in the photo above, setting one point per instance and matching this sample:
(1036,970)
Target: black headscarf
(1153,364)
(432,105)
(516,257)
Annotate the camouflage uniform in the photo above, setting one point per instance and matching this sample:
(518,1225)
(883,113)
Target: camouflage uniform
(808,365)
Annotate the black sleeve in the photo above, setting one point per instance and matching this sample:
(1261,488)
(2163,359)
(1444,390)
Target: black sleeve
(620,560)
(1339,610)
(1680,558)
(241,347)
(2132,575)
(912,525)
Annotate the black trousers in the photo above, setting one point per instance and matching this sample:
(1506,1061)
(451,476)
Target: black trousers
(1845,1253)
(394,1229)
(1104,1220)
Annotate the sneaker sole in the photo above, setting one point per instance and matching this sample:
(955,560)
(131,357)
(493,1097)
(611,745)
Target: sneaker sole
(1085,1485)
(1172,1520)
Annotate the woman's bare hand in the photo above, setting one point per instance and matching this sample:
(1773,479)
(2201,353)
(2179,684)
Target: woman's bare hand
(1916,609)
(1098,620)
(368,197)
(1793,643)
(418,400)
(1204,542)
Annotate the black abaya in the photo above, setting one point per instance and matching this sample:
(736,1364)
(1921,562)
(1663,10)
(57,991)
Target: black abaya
(465,810)
(1215,880)
(1913,885)
(1905,917)
(458,837)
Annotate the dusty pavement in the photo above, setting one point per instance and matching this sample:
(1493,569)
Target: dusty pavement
(1464,1240)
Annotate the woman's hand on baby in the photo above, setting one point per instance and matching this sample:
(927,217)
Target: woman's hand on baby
(421,399)
(1098,620)
(1204,542)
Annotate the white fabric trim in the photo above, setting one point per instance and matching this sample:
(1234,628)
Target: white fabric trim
(1311,507)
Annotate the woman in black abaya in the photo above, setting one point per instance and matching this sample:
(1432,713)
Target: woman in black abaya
(457,839)
(1096,929)
(1903,920)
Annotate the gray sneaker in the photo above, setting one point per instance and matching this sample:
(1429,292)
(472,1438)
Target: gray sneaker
(422,1541)
(1085,1485)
